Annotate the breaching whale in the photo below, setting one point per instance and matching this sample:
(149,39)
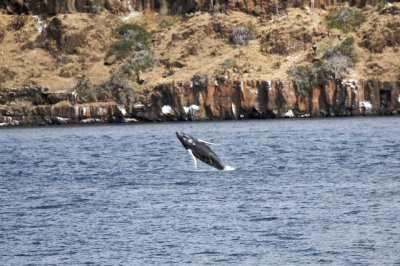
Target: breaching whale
(199,149)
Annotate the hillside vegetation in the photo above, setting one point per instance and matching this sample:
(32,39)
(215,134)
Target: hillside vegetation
(308,45)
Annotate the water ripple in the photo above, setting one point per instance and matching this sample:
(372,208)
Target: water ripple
(306,192)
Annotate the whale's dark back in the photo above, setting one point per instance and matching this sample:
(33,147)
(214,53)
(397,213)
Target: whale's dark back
(200,150)
(206,155)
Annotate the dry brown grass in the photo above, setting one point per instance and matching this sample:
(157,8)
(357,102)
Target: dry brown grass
(193,45)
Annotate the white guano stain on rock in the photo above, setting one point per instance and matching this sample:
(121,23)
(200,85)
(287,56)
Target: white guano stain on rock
(166,110)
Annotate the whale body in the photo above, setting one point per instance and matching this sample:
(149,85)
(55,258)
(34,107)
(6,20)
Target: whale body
(200,150)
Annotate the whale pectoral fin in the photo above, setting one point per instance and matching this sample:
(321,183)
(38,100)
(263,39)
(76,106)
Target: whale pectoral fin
(206,142)
(194,158)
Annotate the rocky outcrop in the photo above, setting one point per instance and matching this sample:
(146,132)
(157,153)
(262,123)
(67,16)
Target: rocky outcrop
(52,7)
(382,35)
(65,40)
(215,100)
(284,41)
(38,106)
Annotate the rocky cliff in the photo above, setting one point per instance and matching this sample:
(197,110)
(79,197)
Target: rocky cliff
(216,100)
(52,7)
(47,62)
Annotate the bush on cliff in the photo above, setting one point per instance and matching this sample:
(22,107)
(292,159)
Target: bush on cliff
(118,89)
(346,48)
(319,72)
(241,35)
(345,19)
(229,63)
(333,62)
(131,37)
(134,33)
(85,90)
(302,77)
(166,22)
(140,62)
(200,80)
(339,58)
(257,10)
(121,49)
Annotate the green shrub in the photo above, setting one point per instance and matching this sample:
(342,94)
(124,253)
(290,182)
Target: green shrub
(229,63)
(322,47)
(85,90)
(134,33)
(307,77)
(142,61)
(166,22)
(119,79)
(302,77)
(121,49)
(131,37)
(319,72)
(345,19)
(346,48)
(257,10)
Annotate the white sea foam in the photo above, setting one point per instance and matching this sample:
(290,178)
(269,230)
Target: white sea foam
(229,168)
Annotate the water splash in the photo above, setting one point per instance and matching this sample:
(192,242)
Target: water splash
(229,168)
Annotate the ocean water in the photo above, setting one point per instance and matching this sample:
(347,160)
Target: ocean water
(312,191)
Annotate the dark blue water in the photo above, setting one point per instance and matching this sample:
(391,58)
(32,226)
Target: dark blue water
(303,192)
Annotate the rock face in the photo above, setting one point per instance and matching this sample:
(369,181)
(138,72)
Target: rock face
(215,100)
(52,7)
(381,36)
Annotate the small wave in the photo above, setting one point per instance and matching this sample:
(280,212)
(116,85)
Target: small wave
(45,207)
(22,255)
(185,183)
(197,170)
(353,212)
(242,255)
(206,252)
(262,219)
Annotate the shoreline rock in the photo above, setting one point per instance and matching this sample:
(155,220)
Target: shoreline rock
(223,100)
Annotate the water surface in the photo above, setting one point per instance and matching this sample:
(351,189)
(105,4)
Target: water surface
(304,192)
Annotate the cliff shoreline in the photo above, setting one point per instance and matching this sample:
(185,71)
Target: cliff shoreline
(218,99)
(197,60)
